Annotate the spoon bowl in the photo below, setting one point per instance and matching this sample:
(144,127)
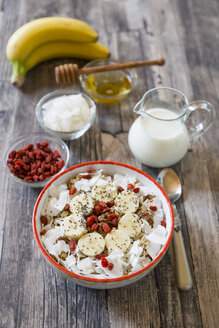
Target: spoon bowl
(169,181)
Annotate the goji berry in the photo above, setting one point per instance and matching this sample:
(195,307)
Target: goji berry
(33,166)
(21,151)
(60,164)
(56,153)
(114,222)
(97,209)
(120,189)
(45,144)
(43,153)
(46,166)
(26,159)
(90,220)
(110,204)
(21,176)
(163,223)
(72,245)
(102,204)
(67,207)
(38,163)
(153,208)
(26,167)
(48,159)
(28,147)
(105,227)
(112,216)
(48,150)
(99,256)
(72,191)
(33,172)
(31,155)
(44,219)
(106,210)
(110,266)
(55,169)
(94,227)
(86,176)
(12,154)
(19,162)
(130,186)
(28,178)
(136,190)
(36,151)
(91,170)
(43,232)
(46,174)
(104,262)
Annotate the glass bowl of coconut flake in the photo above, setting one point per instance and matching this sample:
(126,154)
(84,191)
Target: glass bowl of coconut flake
(66,114)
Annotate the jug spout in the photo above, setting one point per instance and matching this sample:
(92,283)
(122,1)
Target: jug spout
(138,109)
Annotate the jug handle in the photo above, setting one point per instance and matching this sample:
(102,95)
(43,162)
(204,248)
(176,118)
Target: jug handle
(197,130)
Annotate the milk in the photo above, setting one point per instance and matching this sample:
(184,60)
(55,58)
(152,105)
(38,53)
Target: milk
(156,142)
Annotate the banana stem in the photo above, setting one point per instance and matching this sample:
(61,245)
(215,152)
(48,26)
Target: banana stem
(18,73)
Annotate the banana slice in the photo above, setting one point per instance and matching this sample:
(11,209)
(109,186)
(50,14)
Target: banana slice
(74,226)
(105,193)
(82,204)
(91,244)
(131,224)
(126,202)
(117,239)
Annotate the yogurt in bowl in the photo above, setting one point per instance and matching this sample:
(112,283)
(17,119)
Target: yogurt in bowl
(103,224)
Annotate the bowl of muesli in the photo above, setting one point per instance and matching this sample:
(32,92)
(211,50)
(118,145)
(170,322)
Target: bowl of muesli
(103,224)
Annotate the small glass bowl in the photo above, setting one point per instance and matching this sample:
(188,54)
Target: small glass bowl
(65,135)
(54,143)
(108,87)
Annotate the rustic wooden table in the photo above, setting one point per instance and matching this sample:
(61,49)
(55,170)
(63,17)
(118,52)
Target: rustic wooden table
(185,33)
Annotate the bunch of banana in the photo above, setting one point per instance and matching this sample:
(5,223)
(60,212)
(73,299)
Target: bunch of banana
(51,37)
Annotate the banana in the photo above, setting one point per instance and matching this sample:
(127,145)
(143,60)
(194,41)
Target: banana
(117,239)
(91,244)
(56,49)
(82,205)
(105,193)
(131,224)
(32,34)
(126,202)
(74,226)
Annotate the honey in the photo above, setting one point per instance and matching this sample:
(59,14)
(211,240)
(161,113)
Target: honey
(108,87)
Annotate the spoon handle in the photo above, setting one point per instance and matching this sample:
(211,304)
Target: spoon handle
(183,274)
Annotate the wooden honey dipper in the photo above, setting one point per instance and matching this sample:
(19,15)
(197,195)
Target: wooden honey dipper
(69,73)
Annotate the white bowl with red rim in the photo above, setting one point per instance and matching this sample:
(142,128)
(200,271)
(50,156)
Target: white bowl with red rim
(109,168)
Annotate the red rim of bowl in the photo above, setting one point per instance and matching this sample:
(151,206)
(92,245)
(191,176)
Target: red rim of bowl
(94,279)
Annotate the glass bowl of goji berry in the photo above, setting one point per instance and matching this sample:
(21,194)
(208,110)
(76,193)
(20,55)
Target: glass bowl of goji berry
(34,159)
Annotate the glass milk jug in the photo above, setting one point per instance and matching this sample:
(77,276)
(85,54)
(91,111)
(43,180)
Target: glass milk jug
(161,135)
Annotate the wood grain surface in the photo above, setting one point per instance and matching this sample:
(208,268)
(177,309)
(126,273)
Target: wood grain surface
(185,33)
